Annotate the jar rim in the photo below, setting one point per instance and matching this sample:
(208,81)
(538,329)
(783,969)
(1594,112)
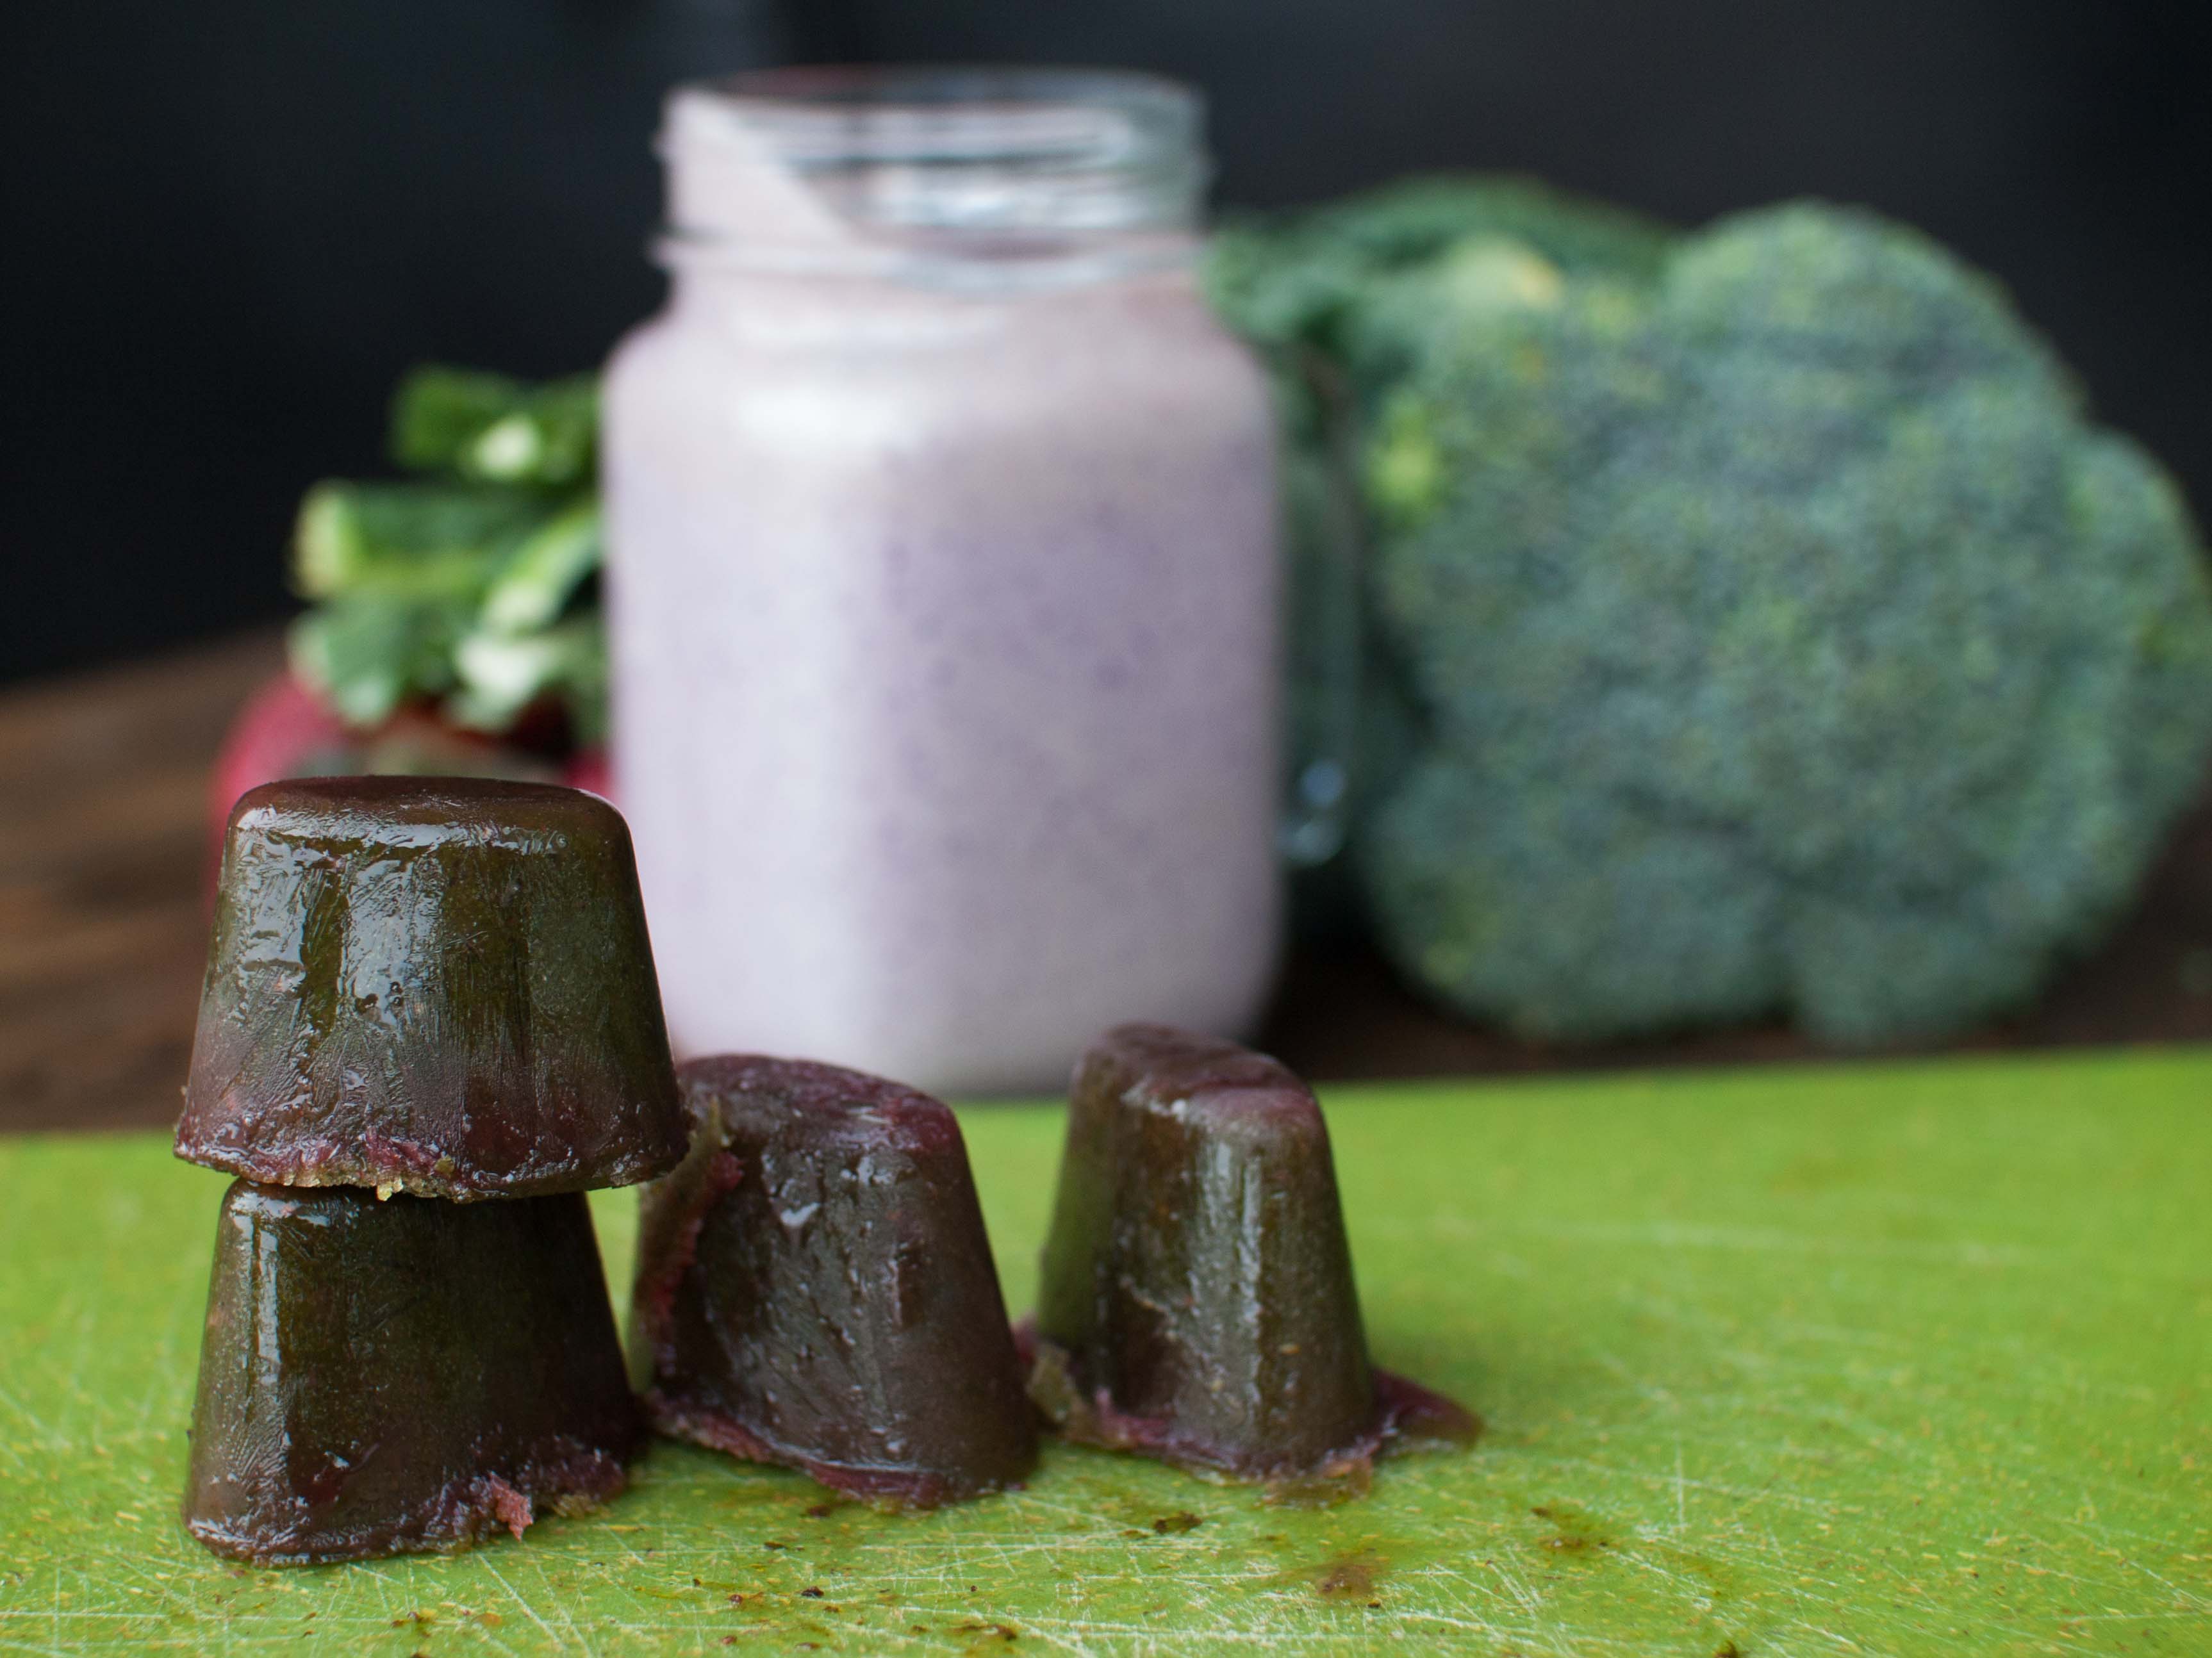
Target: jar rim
(829,155)
(847,113)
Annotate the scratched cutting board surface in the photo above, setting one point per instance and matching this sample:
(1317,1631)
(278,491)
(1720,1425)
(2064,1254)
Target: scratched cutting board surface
(1873,1359)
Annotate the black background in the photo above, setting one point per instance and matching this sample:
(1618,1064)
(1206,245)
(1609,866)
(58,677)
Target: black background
(229,226)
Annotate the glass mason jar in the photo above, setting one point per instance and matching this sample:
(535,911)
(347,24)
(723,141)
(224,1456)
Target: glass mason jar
(943,578)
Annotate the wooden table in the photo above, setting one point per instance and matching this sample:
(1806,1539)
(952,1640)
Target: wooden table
(103,843)
(103,849)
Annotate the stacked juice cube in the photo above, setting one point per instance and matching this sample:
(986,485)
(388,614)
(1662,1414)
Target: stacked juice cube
(429,1025)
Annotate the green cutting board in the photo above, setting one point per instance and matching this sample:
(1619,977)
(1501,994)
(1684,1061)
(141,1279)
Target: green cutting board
(1878,1359)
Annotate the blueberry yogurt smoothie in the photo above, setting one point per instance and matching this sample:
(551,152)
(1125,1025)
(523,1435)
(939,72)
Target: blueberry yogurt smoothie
(943,578)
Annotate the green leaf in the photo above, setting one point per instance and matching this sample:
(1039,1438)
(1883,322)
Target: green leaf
(413,541)
(499,675)
(544,573)
(499,430)
(367,654)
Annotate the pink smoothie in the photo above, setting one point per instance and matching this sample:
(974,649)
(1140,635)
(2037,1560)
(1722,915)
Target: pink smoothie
(945,627)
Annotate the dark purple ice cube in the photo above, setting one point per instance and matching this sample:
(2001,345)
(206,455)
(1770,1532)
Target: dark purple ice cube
(387,1377)
(815,1289)
(1196,1301)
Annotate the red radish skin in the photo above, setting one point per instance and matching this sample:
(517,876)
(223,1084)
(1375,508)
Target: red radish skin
(283,729)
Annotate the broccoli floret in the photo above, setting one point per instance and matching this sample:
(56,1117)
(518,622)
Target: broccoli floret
(1300,278)
(1340,299)
(1782,637)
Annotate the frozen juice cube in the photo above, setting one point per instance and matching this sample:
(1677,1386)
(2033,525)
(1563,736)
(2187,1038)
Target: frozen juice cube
(439,986)
(388,1377)
(1196,1300)
(815,1289)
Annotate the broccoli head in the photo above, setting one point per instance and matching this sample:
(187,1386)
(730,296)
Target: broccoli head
(1780,636)
(1339,296)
